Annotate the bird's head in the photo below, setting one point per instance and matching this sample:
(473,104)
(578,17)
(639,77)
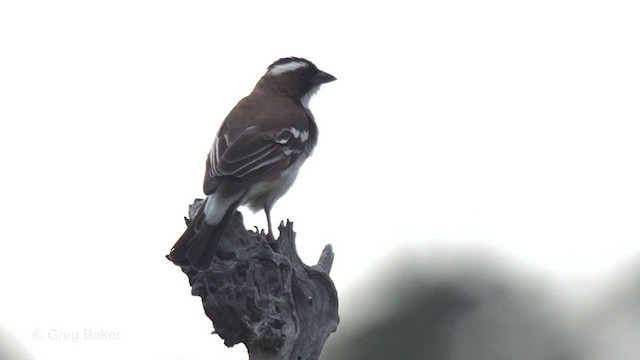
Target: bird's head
(295,77)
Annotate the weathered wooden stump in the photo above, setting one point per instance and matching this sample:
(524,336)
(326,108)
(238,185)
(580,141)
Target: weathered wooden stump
(262,295)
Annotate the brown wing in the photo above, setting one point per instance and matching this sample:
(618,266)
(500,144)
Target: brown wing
(247,151)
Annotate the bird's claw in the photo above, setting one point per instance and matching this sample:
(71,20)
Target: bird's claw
(259,231)
(268,236)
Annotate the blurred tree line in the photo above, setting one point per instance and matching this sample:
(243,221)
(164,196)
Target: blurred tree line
(478,310)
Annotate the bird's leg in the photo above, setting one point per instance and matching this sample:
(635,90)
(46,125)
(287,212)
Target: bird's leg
(270,237)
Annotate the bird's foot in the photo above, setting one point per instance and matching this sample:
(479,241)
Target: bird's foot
(260,232)
(267,236)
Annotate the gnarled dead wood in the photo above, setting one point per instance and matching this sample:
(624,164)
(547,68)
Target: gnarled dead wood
(262,295)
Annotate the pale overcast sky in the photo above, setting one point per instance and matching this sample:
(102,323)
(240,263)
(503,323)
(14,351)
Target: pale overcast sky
(506,125)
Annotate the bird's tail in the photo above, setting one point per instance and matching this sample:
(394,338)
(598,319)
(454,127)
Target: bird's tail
(200,241)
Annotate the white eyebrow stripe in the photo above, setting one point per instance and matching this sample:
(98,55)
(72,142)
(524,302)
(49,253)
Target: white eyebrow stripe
(290,66)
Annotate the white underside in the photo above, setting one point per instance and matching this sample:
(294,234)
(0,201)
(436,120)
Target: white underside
(217,206)
(274,189)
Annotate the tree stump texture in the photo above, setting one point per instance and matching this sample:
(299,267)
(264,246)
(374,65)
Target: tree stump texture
(262,295)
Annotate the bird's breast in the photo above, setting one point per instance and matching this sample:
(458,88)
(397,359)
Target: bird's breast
(265,193)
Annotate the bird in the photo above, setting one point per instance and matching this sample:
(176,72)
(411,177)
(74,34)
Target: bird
(255,156)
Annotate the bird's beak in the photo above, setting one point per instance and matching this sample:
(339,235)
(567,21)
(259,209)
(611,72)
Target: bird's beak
(323,77)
